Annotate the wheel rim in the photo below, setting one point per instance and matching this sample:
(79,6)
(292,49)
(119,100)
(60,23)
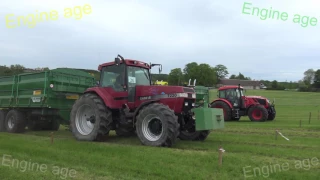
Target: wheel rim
(83,125)
(256,114)
(11,122)
(152,127)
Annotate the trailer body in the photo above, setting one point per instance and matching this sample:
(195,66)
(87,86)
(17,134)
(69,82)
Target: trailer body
(44,96)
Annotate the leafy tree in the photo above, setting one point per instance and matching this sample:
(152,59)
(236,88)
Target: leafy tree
(274,84)
(191,71)
(207,75)
(239,76)
(221,70)
(308,76)
(316,81)
(175,77)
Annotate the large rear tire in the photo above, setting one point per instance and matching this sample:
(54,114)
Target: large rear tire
(3,114)
(226,109)
(157,125)
(90,119)
(194,136)
(16,121)
(258,113)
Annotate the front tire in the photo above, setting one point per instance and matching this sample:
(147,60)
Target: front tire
(16,121)
(157,125)
(194,136)
(258,113)
(272,116)
(90,119)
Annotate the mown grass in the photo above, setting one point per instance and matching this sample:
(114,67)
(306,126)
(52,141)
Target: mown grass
(247,144)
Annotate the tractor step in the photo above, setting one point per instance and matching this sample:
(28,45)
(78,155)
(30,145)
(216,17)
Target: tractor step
(237,113)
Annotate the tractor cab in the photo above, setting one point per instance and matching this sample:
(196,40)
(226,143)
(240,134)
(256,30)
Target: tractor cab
(234,95)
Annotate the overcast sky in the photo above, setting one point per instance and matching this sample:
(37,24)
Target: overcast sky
(171,32)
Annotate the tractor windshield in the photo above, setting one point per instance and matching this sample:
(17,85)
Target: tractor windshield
(138,76)
(239,92)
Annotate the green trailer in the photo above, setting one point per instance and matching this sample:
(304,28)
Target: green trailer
(41,100)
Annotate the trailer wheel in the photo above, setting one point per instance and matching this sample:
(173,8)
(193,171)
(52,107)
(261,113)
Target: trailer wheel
(55,124)
(34,126)
(226,109)
(90,119)
(194,136)
(258,113)
(157,125)
(15,121)
(3,114)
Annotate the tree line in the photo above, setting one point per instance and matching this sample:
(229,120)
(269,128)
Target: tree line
(205,75)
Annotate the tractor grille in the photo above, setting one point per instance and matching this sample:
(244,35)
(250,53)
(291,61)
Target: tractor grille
(189,106)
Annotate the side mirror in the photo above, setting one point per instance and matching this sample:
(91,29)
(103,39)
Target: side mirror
(117,60)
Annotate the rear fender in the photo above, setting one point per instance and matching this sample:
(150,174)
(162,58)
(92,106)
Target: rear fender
(223,100)
(104,95)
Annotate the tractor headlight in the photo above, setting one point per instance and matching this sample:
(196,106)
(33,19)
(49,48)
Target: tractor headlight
(193,95)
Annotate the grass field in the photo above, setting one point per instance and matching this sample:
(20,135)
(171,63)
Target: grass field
(247,144)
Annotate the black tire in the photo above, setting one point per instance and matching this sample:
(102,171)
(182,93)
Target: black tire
(3,114)
(272,116)
(34,126)
(258,113)
(55,124)
(226,109)
(16,121)
(169,125)
(101,115)
(194,136)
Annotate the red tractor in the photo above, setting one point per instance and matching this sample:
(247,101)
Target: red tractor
(235,104)
(125,101)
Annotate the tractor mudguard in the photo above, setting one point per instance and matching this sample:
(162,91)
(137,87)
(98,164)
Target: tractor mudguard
(224,100)
(104,95)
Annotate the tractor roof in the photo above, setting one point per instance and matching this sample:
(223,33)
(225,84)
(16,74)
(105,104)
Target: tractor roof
(127,62)
(229,87)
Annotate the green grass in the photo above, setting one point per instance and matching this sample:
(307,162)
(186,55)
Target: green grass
(246,144)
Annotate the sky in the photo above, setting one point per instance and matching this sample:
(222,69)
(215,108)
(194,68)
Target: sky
(170,32)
